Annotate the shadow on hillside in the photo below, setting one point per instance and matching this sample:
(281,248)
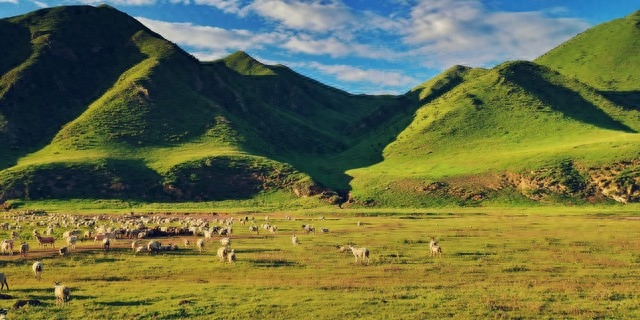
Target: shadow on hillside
(567,101)
(629,100)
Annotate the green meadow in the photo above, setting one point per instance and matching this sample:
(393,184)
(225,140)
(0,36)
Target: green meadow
(543,263)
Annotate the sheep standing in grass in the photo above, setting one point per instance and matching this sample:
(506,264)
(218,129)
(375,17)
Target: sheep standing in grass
(254,229)
(3,281)
(61,292)
(24,248)
(63,251)
(200,245)
(231,257)
(434,248)
(106,244)
(134,245)
(71,242)
(222,253)
(295,240)
(7,245)
(225,242)
(362,253)
(37,269)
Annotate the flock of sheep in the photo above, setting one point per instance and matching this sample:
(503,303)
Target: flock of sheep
(107,229)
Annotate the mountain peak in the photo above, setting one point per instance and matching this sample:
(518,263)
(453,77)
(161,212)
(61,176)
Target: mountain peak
(245,64)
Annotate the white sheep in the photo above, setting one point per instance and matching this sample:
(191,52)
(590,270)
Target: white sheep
(7,245)
(254,229)
(3,314)
(106,244)
(154,246)
(186,243)
(231,257)
(3,281)
(295,240)
(434,248)
(222,253)
(140,249)
(134,245)
(71,242)
(362,253)
(200,245)
(61,292)
(37,269)
(225,242)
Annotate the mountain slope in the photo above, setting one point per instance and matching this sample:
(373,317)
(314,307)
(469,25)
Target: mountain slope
(119,112)
(516,117)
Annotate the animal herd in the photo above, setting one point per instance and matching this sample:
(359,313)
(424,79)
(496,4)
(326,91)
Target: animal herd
(107,235)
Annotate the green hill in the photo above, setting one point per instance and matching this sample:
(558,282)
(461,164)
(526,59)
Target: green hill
(120,113)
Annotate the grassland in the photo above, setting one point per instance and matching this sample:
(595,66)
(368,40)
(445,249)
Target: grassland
(572,263)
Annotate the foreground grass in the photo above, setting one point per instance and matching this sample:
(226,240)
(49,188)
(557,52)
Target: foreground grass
(543,263)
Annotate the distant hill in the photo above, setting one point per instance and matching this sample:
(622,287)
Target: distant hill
(95,105)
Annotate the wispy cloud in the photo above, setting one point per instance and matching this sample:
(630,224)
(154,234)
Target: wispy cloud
(304,15)
(466,32)
(349,73)
(210,41)
(121,2)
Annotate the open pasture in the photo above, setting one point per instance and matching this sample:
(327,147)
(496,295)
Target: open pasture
(493,265)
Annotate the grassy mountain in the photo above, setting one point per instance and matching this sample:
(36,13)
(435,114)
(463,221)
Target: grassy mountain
(119,112)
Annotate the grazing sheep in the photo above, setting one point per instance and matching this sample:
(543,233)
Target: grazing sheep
(434,248)
(362,253)
(63,251)
(45,241)
(24,248)
(37,269)
(225,242)
(324,230)
(186,243)
(61,292)
(154,246)
(134,245)
(7,245)
(231,257)
(106,244)
(140,249)
(71,242)
(343,248)
(254,229)
(222,253)
(295,240)
(308,228)
(3,281)
(200,245)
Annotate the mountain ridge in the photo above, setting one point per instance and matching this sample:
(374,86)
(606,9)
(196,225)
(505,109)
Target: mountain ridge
(146,120)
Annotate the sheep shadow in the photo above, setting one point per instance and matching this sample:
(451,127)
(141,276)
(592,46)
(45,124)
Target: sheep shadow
(272,263)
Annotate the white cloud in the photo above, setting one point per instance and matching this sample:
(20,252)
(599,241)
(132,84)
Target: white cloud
(348,73)
(227,6)
(9,1)
(451,32)
(335,47)
(120,2)
(209,41)
(305,15)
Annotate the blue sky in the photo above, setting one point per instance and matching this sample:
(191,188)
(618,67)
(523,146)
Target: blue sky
(363,46)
